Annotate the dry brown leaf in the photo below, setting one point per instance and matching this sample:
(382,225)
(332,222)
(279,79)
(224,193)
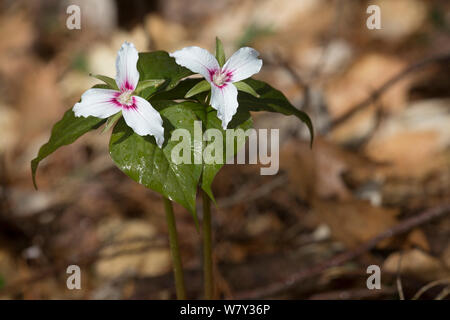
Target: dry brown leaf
(353,222)
(14,50)
(39,100)
(399,18)
(417,238)
(318,172)
(367,74)
(158,29)
(148,262)
(413,141)
(416,263)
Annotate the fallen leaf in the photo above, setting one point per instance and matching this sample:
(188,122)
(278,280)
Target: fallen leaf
(416,263)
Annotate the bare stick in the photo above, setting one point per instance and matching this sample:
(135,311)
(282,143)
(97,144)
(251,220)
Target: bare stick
(349,255)
(401,294)
(428,286)
(378,92)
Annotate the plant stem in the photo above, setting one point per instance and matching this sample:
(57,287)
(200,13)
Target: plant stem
(207,248)
(175,250)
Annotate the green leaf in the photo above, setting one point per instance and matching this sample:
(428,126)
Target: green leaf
(242,86)
(149,83)
(109,81)
(200,87)
(143,161)
(112,121)
(64,132)
(271,100)
(220,54)
(241,120)
(159,65)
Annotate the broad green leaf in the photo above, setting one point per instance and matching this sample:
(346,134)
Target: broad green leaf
(241,120)
(159,65)
(143,161)
(220,54)
(149,83)
(200,87)
(64,132)
(271,100)
(109,81)
(242,86)
(112,121)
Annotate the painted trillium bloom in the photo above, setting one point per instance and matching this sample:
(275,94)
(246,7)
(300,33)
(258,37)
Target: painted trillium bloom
(137,112)
(242,64)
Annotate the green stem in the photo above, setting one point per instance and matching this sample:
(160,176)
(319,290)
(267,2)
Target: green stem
(175,250)
(207,248)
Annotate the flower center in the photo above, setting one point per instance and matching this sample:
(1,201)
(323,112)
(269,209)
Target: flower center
(126,98)
(220,78)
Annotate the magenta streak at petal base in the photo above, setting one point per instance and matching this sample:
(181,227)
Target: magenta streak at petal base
(126,86)
(224,74)
(116,102)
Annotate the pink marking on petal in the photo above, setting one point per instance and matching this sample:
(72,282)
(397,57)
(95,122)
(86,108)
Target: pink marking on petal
(131,106)
(220,78)
(126,86)
(117,103)
(212,72)
(221,86)
(229,75)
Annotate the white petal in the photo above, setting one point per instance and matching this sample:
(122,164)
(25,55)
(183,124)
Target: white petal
(144,119)
(97,103)
(127,76)
(197,60)
(243,64)
(224,100)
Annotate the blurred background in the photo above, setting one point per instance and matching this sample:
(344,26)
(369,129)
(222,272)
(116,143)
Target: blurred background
(381,154)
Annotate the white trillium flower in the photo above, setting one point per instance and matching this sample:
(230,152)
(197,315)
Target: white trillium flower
(137,112)
(242,64)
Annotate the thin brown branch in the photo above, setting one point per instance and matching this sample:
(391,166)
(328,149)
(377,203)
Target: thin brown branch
(247,195)
(382,89)
(444,293)
(428,286)
(398,280)
(298,81)
(293,279)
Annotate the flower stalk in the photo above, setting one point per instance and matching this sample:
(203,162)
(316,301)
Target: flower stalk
(175,251)
(208,278)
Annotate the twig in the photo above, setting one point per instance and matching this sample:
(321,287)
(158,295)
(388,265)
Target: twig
(401,294)
(445,292)
(428,286)
(349,255)
(250,195)
(298,81)
(378,92)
